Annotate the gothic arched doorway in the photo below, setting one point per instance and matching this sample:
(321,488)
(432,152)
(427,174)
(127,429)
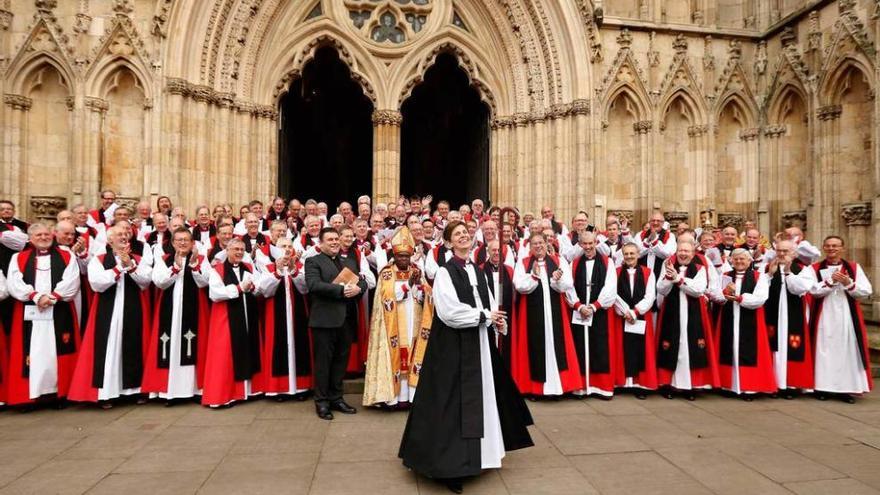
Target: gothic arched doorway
(325,138)
(445,137)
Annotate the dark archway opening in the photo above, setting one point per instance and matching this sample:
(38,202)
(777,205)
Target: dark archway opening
(325,138)
(445,137)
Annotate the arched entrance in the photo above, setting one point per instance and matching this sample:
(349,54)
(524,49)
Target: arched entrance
(325,137)
(445,137)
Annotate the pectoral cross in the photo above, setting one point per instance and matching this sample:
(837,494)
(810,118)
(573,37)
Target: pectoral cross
(189,335)
(164,338)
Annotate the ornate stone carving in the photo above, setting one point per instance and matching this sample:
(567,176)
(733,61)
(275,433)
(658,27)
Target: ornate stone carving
(814,36)
(643,126)
(627,215)
(698,130)
(761,58)
(796,218)
(749,134)
(201,93)
(624,39)
(776,130)
(95,104)
(128,202)
(680,44)
(502,122)
(18,102)
(177,86)
(5,19)
(46,208)
(675,217)
(160,19)
(82,23)
(788,36)
(735,220)
(829,112)
(580,107)
(46,6)
(708,57)
(653,55)
(387,117)
(123,7)
(856,214)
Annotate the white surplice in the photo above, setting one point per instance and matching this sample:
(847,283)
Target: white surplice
(694,287)
(456,314)
(101,279)
(43,368)
(838,363)
(182,381)
(269,283)
(525,283)
(797,286)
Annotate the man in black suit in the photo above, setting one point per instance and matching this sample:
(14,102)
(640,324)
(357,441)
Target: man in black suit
(333,319)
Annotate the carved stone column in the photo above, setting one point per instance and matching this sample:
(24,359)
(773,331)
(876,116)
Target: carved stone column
(172,130)
(829,143)
(580,111)
(14,173)
(501,163)
(386,155)
(96,109)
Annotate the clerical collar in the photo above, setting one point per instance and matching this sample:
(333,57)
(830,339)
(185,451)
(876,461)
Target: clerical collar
(460,262)
(42,252)
(631,268)
(590,258)
(829,263)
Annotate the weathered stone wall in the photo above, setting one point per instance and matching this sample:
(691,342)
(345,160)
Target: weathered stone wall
(734,109)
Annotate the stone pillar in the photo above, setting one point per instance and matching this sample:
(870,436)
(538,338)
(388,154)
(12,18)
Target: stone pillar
(824,199)
(501,166)
(583,162)
(521,136)
(14,169)
(643,134)
(172,135)
(200,154)
(386,155)
(96,108)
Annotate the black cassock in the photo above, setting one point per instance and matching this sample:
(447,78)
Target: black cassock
(445,424)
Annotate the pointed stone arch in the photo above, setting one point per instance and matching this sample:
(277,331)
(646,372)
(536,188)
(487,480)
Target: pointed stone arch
(689,105)
(43,45)
(481,77)
(625,75)
(303,48)
(120,47)
(836,81)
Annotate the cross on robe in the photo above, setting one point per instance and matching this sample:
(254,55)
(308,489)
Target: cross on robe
(189,335)
(164,338)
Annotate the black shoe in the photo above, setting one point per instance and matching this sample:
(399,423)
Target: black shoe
(454,485)
(690,396)
(342,407)
(748,398)
(323,411)
(302,396)
(849,399)
(821,396)
(641,395)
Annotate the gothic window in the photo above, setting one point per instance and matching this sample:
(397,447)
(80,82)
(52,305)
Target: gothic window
(387,30)
(389,21)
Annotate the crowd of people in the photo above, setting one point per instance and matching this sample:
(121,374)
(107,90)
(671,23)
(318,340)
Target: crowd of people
(283,301)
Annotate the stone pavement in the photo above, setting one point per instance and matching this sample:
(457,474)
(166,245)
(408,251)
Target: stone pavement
(625,446)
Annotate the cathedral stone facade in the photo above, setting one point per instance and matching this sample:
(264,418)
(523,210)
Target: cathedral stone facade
(711,111)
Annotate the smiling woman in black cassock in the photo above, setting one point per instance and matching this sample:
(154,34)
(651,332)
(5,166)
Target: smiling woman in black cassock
(468,411)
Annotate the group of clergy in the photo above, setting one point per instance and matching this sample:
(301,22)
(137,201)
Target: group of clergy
(114,303)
